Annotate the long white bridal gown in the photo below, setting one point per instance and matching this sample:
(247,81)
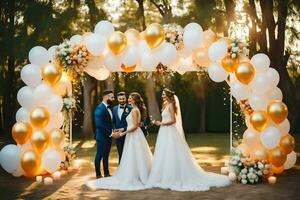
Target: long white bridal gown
(174,166)
(135,165)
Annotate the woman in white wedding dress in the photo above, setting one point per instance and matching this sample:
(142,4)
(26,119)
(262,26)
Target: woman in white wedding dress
(136,161)
(173,164)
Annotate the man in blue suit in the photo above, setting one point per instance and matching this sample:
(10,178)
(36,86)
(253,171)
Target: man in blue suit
(104,132)
(120,112)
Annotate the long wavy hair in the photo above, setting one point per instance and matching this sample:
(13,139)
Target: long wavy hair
(171,96)
(140,104)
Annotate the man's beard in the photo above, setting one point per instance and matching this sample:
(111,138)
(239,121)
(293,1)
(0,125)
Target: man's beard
(109,102)
(123,103)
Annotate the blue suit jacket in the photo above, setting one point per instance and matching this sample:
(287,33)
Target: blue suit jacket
(121,123)
(103,122)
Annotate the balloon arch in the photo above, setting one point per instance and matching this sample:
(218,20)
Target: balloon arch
(266,148)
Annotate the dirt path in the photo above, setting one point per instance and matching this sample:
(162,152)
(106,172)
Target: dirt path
(72,186)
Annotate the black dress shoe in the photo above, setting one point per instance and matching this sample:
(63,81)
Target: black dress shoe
(107,175)
(99,176)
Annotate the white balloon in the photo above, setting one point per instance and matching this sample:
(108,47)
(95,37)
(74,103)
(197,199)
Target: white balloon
(260,84)
(290,160)
(100,74)
(248,138)
(38,55)
(149,61)
(240,91)
(217,50)
(284,127)
(31,75)
(95,63)
(261,62)
(168,54)
(130,56)
(270,137)
(22,115)
(184,53)
(247,121)
(75,39)
(54,104)
(192,36)
(25,97)
(258,102)
(19,171)
(104,28)
(217,73)
(52,52)
(56,121)
(95,44)
(51,160)
(275,94)
(273,77)
(41,93)
(25,147)
(143,47)
(112,62)
(10,158)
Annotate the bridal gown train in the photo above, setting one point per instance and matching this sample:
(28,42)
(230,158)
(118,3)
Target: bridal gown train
(174,166)
(135,165)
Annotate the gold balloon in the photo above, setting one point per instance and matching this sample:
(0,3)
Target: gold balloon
(133,36)
(277,111)
(208,38)
(30,162)
(229,64)
(39,117)
(39,140)
(287,143)
(154,35)
(57,137)
(259,120)
(128,69)
(277,170)
(277,156)
(21,132)
(201,57)
(244,72)
(117,42)
(51,73)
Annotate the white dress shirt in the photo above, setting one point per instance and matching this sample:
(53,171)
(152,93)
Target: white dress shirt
(120,111)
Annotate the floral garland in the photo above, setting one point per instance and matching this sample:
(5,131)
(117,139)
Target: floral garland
(248,170)
(174,35)
(238,49)
(73,58)
(70,155)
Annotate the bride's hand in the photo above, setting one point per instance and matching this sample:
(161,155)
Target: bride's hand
(157,123)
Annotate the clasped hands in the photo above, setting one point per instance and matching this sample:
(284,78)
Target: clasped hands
(118,133)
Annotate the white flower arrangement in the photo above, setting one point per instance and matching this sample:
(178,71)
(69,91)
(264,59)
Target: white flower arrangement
(248,171)
(70,155)
(237,48)
(73,59)
(69,103)
(174,35)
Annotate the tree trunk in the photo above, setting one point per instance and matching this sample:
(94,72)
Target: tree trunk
(201,87)
(153,108)
(9,90)
(88,87)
